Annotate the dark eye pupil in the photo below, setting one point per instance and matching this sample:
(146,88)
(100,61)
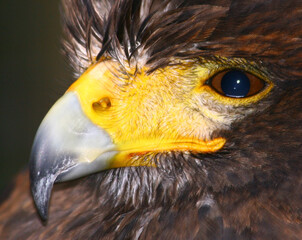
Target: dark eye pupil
(235,84)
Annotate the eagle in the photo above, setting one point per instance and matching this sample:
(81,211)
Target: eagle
(184,122)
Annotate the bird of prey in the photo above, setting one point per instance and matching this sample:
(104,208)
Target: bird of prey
(185,123)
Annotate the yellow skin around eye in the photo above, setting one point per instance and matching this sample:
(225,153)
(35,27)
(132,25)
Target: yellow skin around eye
(237,101)
(229,100)
(152,112)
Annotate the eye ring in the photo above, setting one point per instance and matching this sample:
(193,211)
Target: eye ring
(234,83)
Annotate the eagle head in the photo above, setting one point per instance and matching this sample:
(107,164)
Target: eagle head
(178,101)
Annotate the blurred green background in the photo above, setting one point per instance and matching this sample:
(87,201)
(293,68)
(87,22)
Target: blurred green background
(33,75)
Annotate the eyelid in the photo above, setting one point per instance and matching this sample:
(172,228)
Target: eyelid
(256,84)
(253,98)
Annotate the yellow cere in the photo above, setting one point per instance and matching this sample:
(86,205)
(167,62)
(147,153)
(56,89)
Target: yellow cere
(148,112)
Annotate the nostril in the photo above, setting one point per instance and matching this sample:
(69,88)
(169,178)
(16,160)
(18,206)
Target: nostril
(102,104)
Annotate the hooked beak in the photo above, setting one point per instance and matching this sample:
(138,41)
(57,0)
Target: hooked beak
(67,146)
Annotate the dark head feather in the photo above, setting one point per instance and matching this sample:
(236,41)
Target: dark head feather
(152,33)
(148,32)
(251,189)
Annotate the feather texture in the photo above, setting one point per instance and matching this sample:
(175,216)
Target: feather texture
(153,33)
(252,189)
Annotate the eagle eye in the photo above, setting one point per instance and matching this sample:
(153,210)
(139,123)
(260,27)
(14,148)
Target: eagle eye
(236,84)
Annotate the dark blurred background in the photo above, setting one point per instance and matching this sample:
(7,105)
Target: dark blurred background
(33,75)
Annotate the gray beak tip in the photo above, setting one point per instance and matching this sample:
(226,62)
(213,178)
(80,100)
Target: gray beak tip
(41,191)
(66,137)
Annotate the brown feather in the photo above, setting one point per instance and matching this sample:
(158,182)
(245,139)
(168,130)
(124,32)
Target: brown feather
(252,189)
